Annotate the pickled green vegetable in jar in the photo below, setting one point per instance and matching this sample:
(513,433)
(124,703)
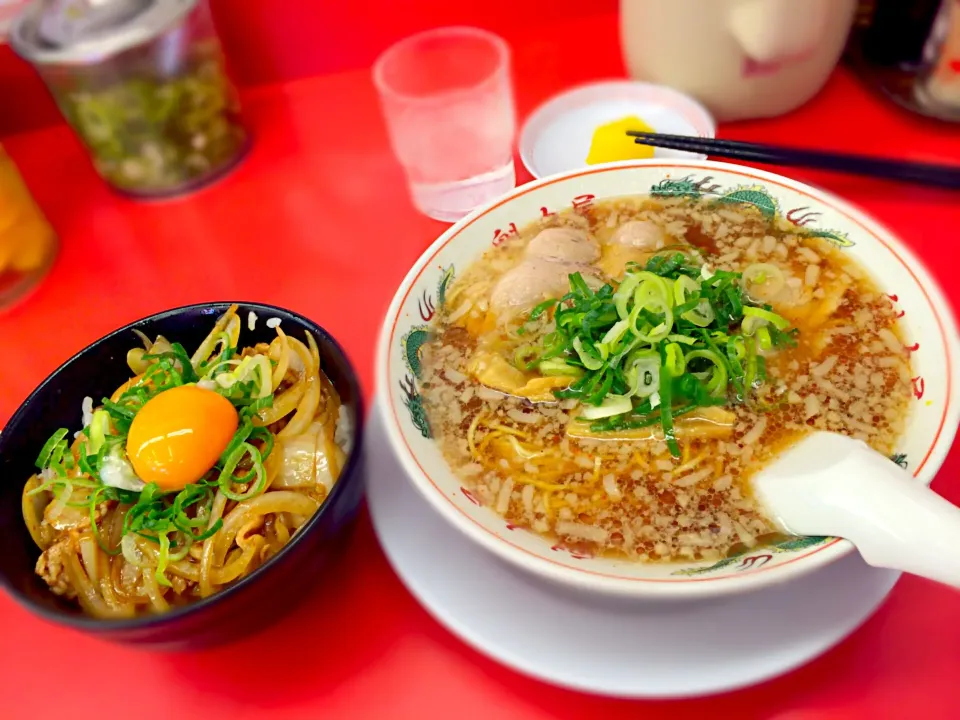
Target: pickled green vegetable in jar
(152,133)
(144,85)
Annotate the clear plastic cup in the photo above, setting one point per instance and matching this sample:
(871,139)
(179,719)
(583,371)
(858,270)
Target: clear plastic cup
(447,98)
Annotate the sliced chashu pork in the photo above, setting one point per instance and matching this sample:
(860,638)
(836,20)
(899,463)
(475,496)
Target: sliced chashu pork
(544,273)
(634,241)
(567,245)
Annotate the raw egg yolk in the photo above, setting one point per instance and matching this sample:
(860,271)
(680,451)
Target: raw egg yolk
(177,436)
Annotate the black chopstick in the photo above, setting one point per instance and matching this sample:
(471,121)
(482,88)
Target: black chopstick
(922,173)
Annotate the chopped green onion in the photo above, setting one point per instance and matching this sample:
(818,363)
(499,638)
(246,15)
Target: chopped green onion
(611,405)
(750,373)
(674,336)
(716,376)
(590,361)
(624,294)
(653,305)
(579,285)
(556,367)
(49,446)
(615,333)
(227,477)
(542,308)
(164,557)
(780,323)
(764,339)
(702,315)
(86,467)
(682,286)
(666,405)
(674,359)
(643,373)
(524,356)
(98,430)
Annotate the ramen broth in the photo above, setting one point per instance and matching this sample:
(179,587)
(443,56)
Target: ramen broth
(534,459)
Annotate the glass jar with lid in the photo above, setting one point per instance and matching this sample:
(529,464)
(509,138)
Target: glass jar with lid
(144,85)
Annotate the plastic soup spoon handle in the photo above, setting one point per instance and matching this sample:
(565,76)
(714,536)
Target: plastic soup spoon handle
(829,484)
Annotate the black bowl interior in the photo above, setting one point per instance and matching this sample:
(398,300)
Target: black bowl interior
(96,372)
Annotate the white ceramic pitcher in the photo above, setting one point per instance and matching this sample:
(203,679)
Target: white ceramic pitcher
(740,58)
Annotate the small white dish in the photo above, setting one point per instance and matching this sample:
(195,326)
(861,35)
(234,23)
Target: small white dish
(556,137)
(601,645)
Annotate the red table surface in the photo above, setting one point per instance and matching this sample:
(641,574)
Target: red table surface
(317,219)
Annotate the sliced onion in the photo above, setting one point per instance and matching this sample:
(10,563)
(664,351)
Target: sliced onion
(643,373)
(715,377)
(131,552)
(117,472)
(280,352)
(611,405)
(55,509)
(763,281)
(298,468)
(683,286)
(702,315)
(657,305)
(590,362)
(32,508)
(780,323)
(89,553)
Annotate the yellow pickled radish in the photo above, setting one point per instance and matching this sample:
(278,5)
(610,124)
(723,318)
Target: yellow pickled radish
(27,241)
(7,247)
(611,142)
(10,211)
(32,241)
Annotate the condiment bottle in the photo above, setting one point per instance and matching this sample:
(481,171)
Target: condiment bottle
(144,85)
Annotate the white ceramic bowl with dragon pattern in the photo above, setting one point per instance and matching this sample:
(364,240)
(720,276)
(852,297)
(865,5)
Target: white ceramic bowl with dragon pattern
(928,324)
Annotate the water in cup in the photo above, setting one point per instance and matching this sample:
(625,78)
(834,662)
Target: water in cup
(448,102)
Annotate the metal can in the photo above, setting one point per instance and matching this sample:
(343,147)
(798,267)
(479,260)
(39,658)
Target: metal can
(144,85)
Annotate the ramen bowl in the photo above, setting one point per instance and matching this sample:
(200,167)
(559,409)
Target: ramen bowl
(926,321)
(252,602)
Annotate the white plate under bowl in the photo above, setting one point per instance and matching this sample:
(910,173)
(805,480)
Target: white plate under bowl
(591,644)
(556,137)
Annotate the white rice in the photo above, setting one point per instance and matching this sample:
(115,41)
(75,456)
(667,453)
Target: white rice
(251,321)
(87,407)
(273,323)
(343,435)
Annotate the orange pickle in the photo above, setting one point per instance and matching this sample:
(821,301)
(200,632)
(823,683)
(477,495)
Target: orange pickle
(28,243)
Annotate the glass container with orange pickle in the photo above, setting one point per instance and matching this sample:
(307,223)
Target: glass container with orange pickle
(28,243)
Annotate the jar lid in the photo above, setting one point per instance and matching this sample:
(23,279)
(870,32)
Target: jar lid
(80,32)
